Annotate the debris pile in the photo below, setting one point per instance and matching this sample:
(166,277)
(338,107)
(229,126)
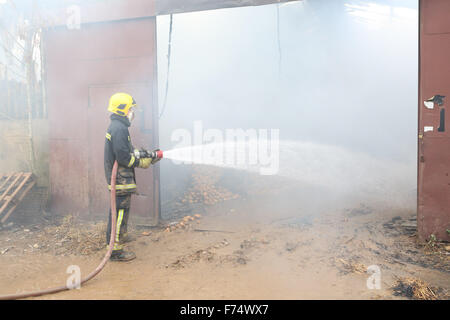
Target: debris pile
(72,238)
(210,255)
(414,289)
(199,255)
(185,223)
(347,267)
(204,188)
(203,255)
(431,254)
(238,257)
(400,226)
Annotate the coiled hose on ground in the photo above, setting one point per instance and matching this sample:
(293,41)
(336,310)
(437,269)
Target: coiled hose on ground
(100,266)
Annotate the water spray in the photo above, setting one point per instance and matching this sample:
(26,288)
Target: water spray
(311,163)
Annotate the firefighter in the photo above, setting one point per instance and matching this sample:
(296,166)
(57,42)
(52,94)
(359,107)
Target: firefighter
(118,147)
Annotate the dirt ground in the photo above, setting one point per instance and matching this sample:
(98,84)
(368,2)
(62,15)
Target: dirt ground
(236,250)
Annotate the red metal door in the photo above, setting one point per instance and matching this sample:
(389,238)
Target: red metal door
(84,68)
(434,127)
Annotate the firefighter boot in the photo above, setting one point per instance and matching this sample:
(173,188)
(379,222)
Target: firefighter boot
(121,255)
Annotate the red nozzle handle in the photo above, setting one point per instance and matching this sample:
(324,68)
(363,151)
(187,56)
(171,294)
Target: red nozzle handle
(159,154)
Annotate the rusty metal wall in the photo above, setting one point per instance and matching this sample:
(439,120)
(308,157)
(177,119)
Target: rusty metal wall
(84,68)
(434,126)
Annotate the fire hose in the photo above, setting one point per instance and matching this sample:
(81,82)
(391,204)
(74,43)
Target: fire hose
(102,263)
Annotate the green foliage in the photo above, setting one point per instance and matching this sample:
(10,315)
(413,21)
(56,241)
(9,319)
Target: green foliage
(432,241)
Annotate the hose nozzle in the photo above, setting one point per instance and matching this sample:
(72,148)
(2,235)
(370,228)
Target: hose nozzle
(154,155)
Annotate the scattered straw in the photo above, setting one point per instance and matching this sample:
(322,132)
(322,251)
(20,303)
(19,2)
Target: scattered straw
(74,238)
(414,288)
(352,267)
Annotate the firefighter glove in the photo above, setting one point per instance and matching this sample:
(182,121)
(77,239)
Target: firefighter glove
(145,163)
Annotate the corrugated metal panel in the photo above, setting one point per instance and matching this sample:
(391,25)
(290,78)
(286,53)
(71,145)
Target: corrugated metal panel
(434,126)
(84,68)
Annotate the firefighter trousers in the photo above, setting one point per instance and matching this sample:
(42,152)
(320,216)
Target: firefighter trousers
(123,210)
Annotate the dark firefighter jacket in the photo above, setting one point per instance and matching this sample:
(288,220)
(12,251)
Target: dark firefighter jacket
(118,147)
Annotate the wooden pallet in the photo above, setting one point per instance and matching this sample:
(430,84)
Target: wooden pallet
(13,188)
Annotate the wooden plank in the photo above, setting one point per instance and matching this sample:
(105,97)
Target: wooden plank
(9,198)
(26,177)
(10,187)
(24,193)
(8,177)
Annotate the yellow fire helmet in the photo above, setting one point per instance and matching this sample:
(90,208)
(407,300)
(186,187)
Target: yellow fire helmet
(121,103)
